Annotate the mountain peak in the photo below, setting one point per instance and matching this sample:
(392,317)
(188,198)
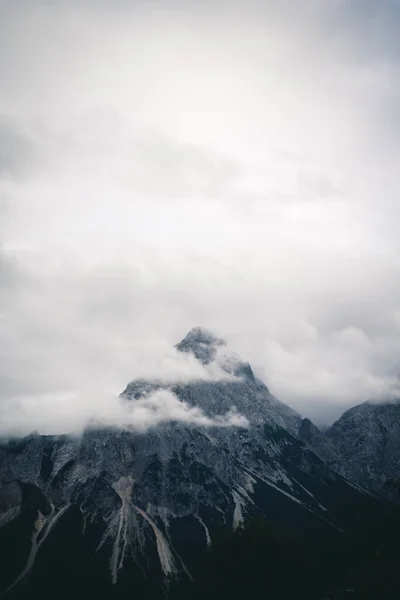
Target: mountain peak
(201,335)
(202,343)
(207,347)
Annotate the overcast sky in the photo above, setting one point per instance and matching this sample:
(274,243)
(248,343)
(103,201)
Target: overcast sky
(167,164)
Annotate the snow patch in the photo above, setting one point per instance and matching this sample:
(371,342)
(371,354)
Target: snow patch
(41,529)
(238,513)
(9,515)
(321,506)
(121,527)
(207,533)
(250,482)
(164,552)
(279,476)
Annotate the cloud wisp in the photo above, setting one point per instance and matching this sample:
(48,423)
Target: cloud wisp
(71,413)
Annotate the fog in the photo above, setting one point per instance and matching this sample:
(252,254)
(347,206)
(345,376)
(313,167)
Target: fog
(58,414)
(169,164)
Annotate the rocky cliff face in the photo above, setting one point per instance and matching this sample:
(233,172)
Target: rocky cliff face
(363,446)
(320,443)
(123,508)
(367,442)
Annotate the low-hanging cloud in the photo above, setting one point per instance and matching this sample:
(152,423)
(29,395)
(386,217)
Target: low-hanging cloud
(233,165)
(72,413)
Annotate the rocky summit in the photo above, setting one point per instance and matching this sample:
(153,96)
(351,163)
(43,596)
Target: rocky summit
(117,513)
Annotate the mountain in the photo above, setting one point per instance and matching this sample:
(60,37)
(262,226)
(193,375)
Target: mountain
(366,440)
(363,445)
(240,389)
(321,444)
(119,512)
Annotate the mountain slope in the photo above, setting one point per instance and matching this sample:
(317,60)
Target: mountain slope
(363,445)
(117,510)
(367,441)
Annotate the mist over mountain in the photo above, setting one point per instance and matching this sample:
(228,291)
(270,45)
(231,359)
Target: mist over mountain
(165,166)
(144,503)
(231,165)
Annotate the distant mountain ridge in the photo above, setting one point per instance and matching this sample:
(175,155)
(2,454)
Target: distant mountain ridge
(364,446)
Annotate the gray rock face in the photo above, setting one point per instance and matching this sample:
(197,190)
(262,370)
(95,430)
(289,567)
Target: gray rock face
(207,348)
(202,343)
(321,444)
(154,500)
(367,442)
(363,446)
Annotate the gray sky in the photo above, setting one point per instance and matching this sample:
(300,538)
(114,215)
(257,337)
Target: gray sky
(228,164)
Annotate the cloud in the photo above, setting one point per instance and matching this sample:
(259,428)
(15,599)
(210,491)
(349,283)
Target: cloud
(71,413)
(233,165)
(16,149)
